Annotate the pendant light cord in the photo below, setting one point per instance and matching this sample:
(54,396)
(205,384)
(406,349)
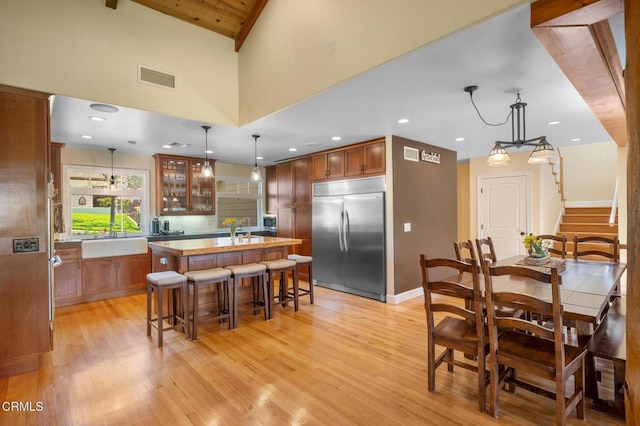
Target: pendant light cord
(506,120)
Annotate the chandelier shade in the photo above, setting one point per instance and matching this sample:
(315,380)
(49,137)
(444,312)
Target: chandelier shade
(207,171)
(255,174)
(112,179)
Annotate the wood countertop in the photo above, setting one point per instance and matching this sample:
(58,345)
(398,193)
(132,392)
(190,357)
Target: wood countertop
(219,245)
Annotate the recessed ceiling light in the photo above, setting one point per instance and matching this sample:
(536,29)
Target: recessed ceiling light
(576,140)
(552,123)
(167,146)
(403,121)
(104,108)
(336,138)
(209,151)
(459,139)
(94,118)
(259,158)
(312,144)
(293,149)
(86,137)
(131,142)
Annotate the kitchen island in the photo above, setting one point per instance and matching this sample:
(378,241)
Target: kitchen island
(205,253)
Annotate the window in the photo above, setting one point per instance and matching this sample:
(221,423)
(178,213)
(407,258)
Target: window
(241,198)
(94,209)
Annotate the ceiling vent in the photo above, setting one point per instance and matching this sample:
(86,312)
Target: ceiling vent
(157,78)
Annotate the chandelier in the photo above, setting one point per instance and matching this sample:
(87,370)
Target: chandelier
(498,156)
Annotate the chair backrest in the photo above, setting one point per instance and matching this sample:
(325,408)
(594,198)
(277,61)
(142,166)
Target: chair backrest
(460,246)
(527,303)
(455,285)
(554,238)
(600,246)
(486,255)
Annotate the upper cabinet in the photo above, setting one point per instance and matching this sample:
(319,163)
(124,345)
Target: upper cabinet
(364,159)
(180,190)
(271,185)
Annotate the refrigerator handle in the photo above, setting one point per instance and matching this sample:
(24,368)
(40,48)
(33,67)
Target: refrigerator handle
(340,229)
(346,230)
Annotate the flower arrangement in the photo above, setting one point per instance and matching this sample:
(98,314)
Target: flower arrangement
(232,223)
(535,246)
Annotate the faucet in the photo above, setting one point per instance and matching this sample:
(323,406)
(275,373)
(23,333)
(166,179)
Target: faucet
(248,233)
(112,232)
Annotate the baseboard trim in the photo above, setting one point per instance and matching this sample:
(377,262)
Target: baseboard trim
(396,299)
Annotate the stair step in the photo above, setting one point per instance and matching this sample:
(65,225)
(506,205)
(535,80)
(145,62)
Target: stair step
(588,210)
(580,228)
(586,218)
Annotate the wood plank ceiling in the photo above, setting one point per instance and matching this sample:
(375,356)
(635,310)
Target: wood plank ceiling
(230,18)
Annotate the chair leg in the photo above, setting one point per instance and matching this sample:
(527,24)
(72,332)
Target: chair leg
(185,310)
(234,282)
(579,384)
(494,387)
(296,289)
(431,367)
(268,296)
(194,324)
(482,389)
(560,402)
(160,322)
(149,297)
(311,298)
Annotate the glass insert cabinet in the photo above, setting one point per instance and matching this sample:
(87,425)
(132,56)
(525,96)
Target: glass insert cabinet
(179,187)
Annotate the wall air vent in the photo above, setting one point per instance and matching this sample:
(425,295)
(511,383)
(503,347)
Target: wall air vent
(157,78)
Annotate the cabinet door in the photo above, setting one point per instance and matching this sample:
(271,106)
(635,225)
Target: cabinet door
(320,168)
(68,279)
(302,228)
(301,171)
(271,189)
(285,222)
(171,193)
(132,271)
(99,275)
(285,183)
(374,157)
(354,161)
(335,164)
(201,190)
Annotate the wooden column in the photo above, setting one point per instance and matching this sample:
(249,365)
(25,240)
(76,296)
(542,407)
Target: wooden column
(632,80)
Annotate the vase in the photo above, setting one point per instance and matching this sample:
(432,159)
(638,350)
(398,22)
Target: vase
(233,232)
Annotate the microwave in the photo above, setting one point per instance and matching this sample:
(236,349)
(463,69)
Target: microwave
(269,221)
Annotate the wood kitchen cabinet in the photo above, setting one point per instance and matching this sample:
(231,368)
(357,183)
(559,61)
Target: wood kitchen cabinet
(328,166)
(180,190)
(116,276)
(271,185)
(293,208)
(365,159)
(68,275)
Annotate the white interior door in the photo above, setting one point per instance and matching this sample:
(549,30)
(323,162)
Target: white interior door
(504,211)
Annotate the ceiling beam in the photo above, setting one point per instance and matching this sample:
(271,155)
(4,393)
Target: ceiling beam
(248,24)
(579,39)
(112,4)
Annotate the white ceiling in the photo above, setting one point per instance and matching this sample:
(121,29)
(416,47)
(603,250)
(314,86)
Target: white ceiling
(501,56)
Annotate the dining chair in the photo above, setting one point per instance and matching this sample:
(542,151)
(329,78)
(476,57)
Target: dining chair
(598,246)
(490,254)
(459,246)
(562,252)
(528,347)
(462,329)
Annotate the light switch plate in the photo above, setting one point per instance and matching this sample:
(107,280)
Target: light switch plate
(407,227)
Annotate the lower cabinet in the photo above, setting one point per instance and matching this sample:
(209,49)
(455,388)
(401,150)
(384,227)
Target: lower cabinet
(114,274)
(80,280)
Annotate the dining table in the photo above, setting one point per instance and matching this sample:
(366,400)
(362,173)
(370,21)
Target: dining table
(586,289)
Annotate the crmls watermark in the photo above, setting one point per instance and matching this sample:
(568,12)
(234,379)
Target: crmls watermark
(22,406)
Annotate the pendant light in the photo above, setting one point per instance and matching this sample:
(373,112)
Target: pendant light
(112,179)
(255,174)
(207,171)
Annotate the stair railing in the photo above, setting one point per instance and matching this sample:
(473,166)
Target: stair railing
(614,206)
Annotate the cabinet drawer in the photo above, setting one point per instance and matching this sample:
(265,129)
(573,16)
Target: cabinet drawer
(68,253)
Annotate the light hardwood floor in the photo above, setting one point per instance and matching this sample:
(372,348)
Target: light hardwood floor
(345,360)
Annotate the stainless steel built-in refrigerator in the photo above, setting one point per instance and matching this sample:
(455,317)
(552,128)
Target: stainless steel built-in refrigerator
(349,236)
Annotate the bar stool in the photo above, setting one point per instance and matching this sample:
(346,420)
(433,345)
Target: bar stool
(167,280)
(304,261)
(281,268)
(250,270)
(220,277)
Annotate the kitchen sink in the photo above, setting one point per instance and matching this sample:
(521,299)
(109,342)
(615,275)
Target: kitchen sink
(113,247)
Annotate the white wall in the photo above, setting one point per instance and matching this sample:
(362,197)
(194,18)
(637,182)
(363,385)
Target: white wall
(590,171)
(83,49)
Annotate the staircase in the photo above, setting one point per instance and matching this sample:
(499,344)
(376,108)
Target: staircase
(587,221)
